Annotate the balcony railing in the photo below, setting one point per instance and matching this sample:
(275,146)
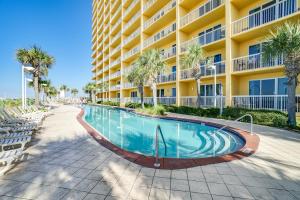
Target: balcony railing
(128,85)
(117,11)
(149,4)
(105,68)
(132,20)
(117,36)
(115,62)
(115,75)
(105,78)
(166,77)
(266,15)
(133,51)
(168,53)
(268,102)
(160,14)
(115,87)
(115,50)
(116,24)
(205,39)
(127,70)
(132,36)
(203,101)
(106,57)
(160,35)
(114,100)
(133,3)
(204,70)
(199,12)
(255,61)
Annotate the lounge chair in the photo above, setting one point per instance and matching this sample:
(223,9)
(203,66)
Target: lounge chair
(6,133)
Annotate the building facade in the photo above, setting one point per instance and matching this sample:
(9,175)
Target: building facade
(231,33)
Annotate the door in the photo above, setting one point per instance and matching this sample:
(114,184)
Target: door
(209,35)
(173,92)
(218,64)
(217,32)
(201,39)
(254,17)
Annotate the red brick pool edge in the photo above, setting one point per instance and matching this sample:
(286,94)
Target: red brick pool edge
(251,145)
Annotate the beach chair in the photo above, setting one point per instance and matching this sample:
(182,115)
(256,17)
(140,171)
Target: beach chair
(6,133)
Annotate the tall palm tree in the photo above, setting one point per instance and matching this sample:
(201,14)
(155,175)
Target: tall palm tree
(154,64)
(74,92)
(52,91)
(137,77)
(40,61)
(285,42)
(192,60)
(90,89)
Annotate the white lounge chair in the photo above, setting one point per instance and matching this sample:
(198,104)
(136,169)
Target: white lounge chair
(6,133)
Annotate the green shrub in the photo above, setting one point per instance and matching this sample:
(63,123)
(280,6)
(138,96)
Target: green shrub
(133,105)
(110,103)
(279,121)
(157,110)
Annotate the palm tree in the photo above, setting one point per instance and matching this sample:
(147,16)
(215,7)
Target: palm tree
(40,61)
(74,92)
(104,87)
(137,77)
(192,59)
(285,42)
(64,88)
(52,91)
(154,64)
(90,89)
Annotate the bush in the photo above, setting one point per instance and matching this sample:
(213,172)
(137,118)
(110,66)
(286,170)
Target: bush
(157,110)
(280,121)
(133,105)
(110,103)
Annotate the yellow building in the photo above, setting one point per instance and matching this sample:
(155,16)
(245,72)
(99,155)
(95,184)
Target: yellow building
(230,31)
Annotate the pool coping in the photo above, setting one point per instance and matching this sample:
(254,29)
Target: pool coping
(250,147)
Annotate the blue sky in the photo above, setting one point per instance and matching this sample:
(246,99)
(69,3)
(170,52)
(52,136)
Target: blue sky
(60,27)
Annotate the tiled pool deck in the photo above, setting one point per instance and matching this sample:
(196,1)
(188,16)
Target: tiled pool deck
(64,162)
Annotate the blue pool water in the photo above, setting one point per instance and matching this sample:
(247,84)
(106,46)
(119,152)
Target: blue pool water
(136,133)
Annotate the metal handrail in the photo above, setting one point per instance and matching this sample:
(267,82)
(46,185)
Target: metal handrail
(158,129)
(238,119)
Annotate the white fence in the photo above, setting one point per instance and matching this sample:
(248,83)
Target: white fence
(203,101)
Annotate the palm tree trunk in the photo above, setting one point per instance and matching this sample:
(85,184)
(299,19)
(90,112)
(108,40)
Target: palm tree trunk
(90,95)
(141,90)
(291,106)
(154,94)
(198,92)
(36,90)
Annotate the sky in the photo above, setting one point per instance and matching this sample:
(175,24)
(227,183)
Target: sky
(60,27)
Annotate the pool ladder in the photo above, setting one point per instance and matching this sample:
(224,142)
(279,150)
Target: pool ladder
(157,132)
(238,119)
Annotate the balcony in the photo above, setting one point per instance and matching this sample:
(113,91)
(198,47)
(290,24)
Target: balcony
(131,21)
(160,35)
(130,9)
(115,75)
(265,102)
(203,102)
(128,85)
(105,68)
(115,63)
(204,40)
(256,61)
(164,78)
(188,73)
(118,11)
(114,27)
(127,70)
(115,87)
(116,50)
(114,100)
(105,78)
(132,36)
(277,11)
(168,53)
(201,16)
(132,52)
(116,37)
(165,11)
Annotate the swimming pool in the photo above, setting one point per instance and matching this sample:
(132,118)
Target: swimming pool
(136,133)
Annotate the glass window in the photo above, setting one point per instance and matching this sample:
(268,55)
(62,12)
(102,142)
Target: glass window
(254,87)
(209,90)
(202,90)
(173,92)
(282,86)
(268,87)
(254,49)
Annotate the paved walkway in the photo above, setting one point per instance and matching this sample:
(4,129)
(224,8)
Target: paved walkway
(64,162)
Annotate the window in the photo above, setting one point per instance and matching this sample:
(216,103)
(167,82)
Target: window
(174,48)
(173,92)
(160,93)
(118,95)
(208,90)
(133,94)
(173,69)
(275,86)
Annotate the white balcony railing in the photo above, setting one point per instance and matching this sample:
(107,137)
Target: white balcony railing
(160,35)
(115,50)
(255,61)
(105,68)
(199,12)
(115,100)
(266,15)
(115,75)
(117,12)
(127,70)
(115,62)
(149,100)
(115,87)
(132,52)
(106,78)
(148,4)
(116,25)
(106,57)
(132,36)
(205,39)
(203,101)
(160,13)
(128,85)
(117,36)
(267,102)
(204,70)
(168,53)
(132,20)
(166,77)
(133,3)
